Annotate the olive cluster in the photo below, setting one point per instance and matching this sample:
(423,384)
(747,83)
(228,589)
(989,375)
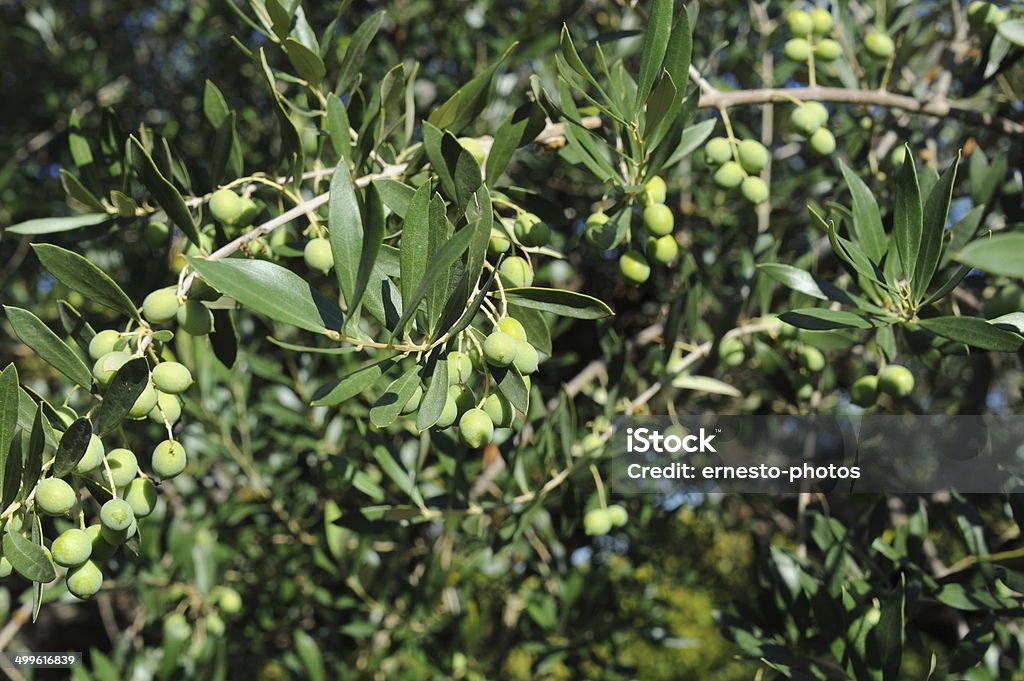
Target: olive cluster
(737,164)
(233,215)
(600,521)
(893,380)
(807,359)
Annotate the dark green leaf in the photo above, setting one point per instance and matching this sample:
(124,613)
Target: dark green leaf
(655,43)
(821,319)
(438,266)
(9,403)
(307,62)
(162,190)
(352,62)
(520,128)
(338,129)
(465,105)
(215,107)
(397,196)
(389,405)
(310,655)
(72,447)
(435,397)
(51,349)
(558,301)
(973,331)
(512,386)
(28,558)
(74,188)
(352,384)
(346,227)
(291,142)
(80,275)
(936,210)
(867,219)
(126,386)
(272,290)
(372,238)
(36,447)
(906,230)
(806,283)
(415,243)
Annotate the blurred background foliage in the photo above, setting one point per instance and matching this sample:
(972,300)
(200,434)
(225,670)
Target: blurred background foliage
(535,598)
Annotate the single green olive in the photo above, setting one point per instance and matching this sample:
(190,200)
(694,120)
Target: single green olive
(171,377)
(516,272)
(476,428)
(195,319)
(864,391)
(226,206)
(717,151)
(318,255)
(169,459)
(55,497)
(730,175)
(658,219)
(160,306)
(597,522)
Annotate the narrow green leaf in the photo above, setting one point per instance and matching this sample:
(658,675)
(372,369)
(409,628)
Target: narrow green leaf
(388,406)
(291,141)
(439,265)
(79,274)
(28,558)
(808,284)
(867,219)
(821,319)
(397,196)
(307,63)
(655,43)
(272,290)
(520,128)
(512,386)
(45,343)
(59,224)
(346,227)
(72,447)
(352,384)
(890,630)
(34,454)
(310,655)
(973,331)
(126,386)
(679,52)
(280,18)
(558,301)
(396,472)
(215,107)
(434,398)
(338,128)
(537,331)
(415,243)
(480,219)
(372,238)
(469,101)
(12,473)
(1002,254)
(906,231)
(9,402)
(74,188)
(162,190)
(690,139)
(936,211)
(352,61)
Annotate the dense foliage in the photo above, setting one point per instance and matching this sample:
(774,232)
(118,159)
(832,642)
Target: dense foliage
(317,318)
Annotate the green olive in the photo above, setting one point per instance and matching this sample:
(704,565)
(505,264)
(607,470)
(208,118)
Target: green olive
(597,522)
(103,343)
(864,391)
(755,189)
(753,155)
(730,175)
(663,249)
(476,428)
(226,206)
(797,49)
(195,318)
(827,50)
(800,23)
(171,377)
(879,45)
(717,151)
(896,381)
(634,268)
(821,19)
(160,306)
(655,191)
(318,255)
(71,548)
(500,349)
(516,272)
(169,459)
(658,219)
(55,497)
(823,142)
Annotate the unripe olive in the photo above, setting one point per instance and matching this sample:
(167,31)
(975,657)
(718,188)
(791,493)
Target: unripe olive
(449,413)
(731,345)
(108,365)
(597,522)
(733,359)
(160,306)
(473,146)
(879,45)
(755,189)
(141,496)
(54,496)
(250,209)
(618,515)
(655,191)
(811,358)
(85,580)
(498,242)
(898,156)
(118,537)
(797,49)
(155,234)
(531,231)
(476,428)
(93,457)
(663,249)
(5,567)
(805,120)
(144,403)
(167,409)
(101,548)
(896,381)
(821,19)
(413,403)
(214,625)
(195,318)
(730,175)
(864,391)
(123,466)
(827,50)
(819,110)
(169,459)
(226,206)
(823,142)
(717,150)
(800,22)
(500,349)
(591,443)
(753,155)
(117,515)
(228,600)
(499,410)
(176,627)
(516,272)
(527,360)
(171,377)
(804,392)
(658,219)
(72,548)
(460,367)
(318,255)
(634,268)
(103,343)
(512,327)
